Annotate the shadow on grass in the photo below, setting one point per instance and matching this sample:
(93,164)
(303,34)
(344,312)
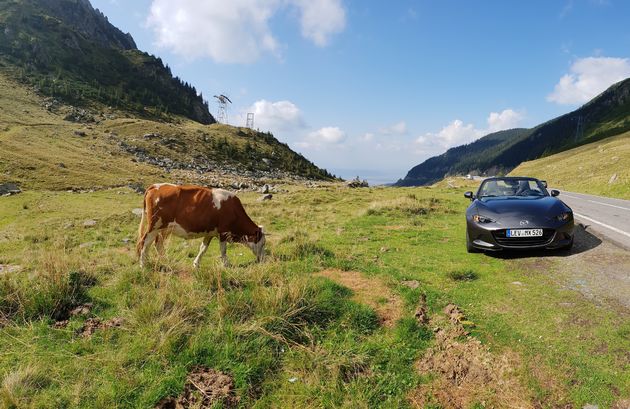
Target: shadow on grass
(583,241)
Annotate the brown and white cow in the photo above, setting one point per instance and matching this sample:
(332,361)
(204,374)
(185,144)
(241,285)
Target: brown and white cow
(196,212)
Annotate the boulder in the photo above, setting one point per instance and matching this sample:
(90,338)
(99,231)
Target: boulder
(8,189)
(356,182)
(262,198)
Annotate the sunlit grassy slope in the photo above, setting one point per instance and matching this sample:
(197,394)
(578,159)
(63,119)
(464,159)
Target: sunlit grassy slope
(289,337)
(600,168)
(39,149)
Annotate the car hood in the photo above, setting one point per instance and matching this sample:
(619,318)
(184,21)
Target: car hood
(535,209)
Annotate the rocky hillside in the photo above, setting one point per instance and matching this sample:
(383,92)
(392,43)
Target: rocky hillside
(69,51)
(606,115)
(46,144)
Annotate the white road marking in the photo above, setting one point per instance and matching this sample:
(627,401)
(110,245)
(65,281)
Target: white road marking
(572,197)
(607,204)
(616,230)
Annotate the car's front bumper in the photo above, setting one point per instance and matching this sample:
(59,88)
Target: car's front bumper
(491,236)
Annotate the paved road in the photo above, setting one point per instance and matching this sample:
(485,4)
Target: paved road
(604,216)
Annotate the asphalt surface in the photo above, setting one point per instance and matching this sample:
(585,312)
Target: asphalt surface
(603,216)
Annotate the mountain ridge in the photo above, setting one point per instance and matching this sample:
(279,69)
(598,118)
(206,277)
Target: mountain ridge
(70,51)
(606,115)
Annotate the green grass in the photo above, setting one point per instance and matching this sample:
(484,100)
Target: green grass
(587,169)
(289,338)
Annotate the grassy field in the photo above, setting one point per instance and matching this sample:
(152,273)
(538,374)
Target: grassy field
(327,321)
(600,168)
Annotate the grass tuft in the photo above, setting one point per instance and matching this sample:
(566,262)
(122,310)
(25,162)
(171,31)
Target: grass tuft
(462,275)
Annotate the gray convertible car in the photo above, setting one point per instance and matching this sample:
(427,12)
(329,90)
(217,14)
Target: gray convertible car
(517,213)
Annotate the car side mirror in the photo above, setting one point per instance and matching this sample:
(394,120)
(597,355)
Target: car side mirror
(544,183)
(555,193)
(469,195)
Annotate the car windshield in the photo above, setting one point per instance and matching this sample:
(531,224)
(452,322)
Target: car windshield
(511,187)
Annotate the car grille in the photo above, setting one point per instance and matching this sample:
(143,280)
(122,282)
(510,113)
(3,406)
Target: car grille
(500,237)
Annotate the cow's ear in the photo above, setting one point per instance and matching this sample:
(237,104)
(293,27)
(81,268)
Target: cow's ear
(262,228)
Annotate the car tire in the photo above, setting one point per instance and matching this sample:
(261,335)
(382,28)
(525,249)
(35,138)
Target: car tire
(469,247)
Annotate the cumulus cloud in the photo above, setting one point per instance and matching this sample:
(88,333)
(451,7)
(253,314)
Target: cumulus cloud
(587,78)
(506,119)
(458,133)
(276,116)
(399,128)
(320,19)
(326,136)
(237,31)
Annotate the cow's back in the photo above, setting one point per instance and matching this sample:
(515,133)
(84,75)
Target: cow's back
(193,209)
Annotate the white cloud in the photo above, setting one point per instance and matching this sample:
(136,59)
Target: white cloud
(399,128)
(320,19)
(506,119)
(276,116)
(329,135)
(589,77)
(237,31)
(458,133)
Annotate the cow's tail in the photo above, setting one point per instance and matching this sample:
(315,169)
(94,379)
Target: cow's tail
(141,228)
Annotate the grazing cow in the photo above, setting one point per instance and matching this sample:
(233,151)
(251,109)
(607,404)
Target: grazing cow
(196,212)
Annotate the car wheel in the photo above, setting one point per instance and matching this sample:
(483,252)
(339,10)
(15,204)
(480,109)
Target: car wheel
(469,247)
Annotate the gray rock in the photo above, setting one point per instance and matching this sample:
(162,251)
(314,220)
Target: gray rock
(268,196)
(9,268)
(612,179)
(8,189)
(356,182)
(79,133)
(151,135)
(265,189)
(89,223)
(413,284)
(137,211)
(86,245)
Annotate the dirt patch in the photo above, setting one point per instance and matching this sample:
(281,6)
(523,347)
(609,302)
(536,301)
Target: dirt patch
(370,291)
(622,404)
(422,312)
(204,388)
(465,372)
(91,325)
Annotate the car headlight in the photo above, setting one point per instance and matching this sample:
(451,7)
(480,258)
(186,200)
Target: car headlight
(564,216)
(482,219)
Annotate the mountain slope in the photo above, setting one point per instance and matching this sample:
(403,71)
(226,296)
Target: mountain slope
(463,159)
(599,168)
(606,115)
(70,51)
(39,149)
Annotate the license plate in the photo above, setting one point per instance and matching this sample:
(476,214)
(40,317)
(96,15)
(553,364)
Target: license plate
(524,233)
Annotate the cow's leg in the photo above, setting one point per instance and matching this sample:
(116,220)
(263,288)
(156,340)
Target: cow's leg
(202,250)
(223,245)
(147,240)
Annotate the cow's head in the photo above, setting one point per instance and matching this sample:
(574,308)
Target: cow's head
(256,243)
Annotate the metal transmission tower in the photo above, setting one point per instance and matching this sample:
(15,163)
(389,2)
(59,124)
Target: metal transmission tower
(222,112)
(250,120)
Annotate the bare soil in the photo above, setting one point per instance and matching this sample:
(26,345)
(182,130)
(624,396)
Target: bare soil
(204,388)
(465,372)
(370,291)
(91,325)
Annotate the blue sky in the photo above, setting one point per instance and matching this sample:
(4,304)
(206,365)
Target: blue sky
(376,87)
